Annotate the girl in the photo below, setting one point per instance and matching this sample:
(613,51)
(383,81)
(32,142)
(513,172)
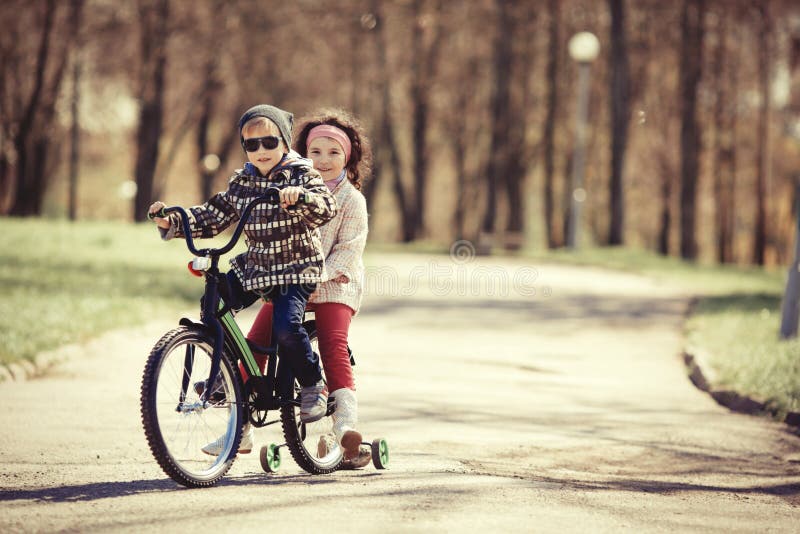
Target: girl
(336,144)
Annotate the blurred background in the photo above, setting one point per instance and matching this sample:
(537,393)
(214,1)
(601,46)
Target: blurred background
(670,126)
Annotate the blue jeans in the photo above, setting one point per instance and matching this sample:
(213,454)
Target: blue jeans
(289,305)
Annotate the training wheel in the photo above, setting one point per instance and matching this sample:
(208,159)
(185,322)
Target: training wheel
(380,453)
(270,458)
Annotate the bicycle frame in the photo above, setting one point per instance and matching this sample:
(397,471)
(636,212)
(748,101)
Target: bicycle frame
(221,326)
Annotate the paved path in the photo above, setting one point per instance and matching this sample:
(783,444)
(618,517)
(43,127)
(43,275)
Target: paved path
(505,411)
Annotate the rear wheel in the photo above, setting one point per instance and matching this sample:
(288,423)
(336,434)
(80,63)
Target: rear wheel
(178,425)
(312,445)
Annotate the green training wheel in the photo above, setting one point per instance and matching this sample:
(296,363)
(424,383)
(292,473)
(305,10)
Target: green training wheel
(380,453)
(270,458)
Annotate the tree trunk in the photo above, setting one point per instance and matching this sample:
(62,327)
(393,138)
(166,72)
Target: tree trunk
(154,38)
(387,131)
(496,168)
(75,139)
(691,71)
(25,191)
(548,137)
(723,163)
(620,111)
(762,150)
(223,151)
(356,65)
(372,42)
(666,205)
(33,172)
(206,112)
(459,136)
(424,65)
(567,195)
(518,154)
(458,142)
(729,162)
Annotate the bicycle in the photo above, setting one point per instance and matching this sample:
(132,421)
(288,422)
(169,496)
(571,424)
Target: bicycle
(180,414)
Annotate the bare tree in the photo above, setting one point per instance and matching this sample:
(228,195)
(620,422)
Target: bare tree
(519,155)
(620,115)
(425,54)
(25,193)
(692,18)
(496,167)
(153,17)
(75,139)
(387,134)
(35,125)
(548,136)
(762,151)
(460,130)
(723,168)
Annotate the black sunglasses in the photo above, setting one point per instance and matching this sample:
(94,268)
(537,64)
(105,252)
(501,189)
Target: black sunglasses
(269,142)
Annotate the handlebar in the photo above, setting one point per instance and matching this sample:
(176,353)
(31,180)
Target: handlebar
(272,196)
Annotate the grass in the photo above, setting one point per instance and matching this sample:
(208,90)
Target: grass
(739,332)
(65,282)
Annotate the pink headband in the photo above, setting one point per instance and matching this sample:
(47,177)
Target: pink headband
(337,134)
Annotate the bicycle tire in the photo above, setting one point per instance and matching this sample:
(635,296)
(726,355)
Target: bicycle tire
(303,440)
(177,429)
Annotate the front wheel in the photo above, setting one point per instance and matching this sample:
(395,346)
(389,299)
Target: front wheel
(195,443)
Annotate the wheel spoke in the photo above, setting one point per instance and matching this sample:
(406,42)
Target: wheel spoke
(179,360)
(308,442)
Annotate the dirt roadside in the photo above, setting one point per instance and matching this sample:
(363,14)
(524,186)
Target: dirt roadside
(557,403)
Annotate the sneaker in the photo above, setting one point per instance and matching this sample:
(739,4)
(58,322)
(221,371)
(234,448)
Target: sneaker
(326,443)
(362,459)
(245,446)
(217,394)
(313,402)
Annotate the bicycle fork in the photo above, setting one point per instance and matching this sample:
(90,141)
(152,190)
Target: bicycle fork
(209,318)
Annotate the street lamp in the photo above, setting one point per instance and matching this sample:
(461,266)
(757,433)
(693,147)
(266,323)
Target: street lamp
(583,48)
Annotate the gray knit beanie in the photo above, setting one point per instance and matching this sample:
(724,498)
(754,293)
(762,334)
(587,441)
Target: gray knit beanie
(282,119)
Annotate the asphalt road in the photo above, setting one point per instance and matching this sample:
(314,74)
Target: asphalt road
(514,398)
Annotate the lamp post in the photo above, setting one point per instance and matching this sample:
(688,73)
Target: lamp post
(583,48)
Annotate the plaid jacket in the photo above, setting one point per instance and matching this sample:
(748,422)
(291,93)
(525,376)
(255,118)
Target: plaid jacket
(343,242)
(283,246)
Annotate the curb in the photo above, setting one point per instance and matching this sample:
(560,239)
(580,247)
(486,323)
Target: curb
(703,378)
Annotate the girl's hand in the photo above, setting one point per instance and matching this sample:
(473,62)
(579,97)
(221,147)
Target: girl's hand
(161,222)
(289,195)
(341,279)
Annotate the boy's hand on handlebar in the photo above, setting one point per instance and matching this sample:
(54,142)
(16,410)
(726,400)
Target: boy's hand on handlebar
(155,207)
(290,195)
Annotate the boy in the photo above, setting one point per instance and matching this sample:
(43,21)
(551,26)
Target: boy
(284,258)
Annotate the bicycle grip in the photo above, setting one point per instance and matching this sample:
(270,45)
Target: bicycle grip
(161,214)
(301,199)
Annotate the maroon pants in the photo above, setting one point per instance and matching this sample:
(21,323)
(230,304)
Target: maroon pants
(333,325)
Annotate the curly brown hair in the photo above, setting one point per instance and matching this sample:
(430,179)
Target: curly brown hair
(359,165)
